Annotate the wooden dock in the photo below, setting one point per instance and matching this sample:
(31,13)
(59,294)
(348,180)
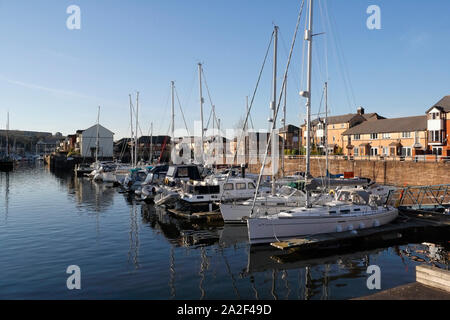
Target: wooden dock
(406,225)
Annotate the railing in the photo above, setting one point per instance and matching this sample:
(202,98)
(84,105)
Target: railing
(421,197)
(420,158)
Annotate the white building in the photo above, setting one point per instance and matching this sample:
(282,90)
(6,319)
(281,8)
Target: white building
(87,142)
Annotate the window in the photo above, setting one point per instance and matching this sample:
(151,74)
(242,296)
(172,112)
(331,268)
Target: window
(357,137)
(251,185)
(343,125)
(406,152)
(374,136)
(228,186)
(385,151)
(356,152)
(241,186)
(386,135)
(374,151)
(406,134)
(435,136)
(437,151)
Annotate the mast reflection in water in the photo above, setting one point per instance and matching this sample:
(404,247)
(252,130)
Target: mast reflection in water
(130,250)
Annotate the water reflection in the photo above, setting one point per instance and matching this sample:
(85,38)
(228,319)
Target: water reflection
(181,259)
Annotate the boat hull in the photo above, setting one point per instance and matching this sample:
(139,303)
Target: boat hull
(239,213)
(272,229)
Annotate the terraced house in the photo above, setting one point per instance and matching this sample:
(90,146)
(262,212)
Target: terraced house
(388,138)
(438,127)
(336,126)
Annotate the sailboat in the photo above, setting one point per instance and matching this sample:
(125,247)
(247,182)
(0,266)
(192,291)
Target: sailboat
(352,210)
(6,162)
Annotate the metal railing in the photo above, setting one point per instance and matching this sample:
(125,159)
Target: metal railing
(421,197)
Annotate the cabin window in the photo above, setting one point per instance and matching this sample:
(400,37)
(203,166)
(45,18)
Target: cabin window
(357,209)
(345,211)
(183,172)
(240,186)
(251,185)
(228,186)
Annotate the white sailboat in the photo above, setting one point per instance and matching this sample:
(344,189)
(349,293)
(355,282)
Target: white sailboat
(353,210)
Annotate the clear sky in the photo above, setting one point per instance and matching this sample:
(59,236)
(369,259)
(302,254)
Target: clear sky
(52,79)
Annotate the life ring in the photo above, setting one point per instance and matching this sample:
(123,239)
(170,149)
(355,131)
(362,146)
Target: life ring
(332,192)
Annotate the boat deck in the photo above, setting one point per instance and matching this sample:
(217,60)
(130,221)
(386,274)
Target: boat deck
(408,224)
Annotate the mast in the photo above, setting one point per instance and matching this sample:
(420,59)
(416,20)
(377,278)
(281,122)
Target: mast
(98,135)
(308,38)
(151,143)
(201,105)
(273,106)
(172,145)
(325,131)
(283,121)
(132,133)
(136,133)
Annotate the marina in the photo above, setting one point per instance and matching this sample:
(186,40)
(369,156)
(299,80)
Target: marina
(148,253)
(303,192)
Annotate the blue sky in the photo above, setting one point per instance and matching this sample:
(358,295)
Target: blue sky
(52,79)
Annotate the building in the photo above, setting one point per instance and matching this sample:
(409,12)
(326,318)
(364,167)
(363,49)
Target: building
(154,146)
(86,142)
(398,137)
(336,126)
(438,128)
(290,135)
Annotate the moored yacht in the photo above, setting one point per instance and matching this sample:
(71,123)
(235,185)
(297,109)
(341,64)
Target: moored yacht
(352,211)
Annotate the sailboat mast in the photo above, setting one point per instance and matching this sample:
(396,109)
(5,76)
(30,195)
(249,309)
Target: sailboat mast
(273,106)
(201,105)
(136,132)
(308,38)
(325,131)
(98,135)
(284,125)
(132,133)
(151,143)
(173,118)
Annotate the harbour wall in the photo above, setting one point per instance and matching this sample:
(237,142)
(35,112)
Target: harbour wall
(397,173)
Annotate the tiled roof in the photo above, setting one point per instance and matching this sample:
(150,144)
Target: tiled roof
(443,104)
(407,124)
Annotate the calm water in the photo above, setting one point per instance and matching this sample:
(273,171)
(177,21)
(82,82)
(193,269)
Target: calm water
(129,250)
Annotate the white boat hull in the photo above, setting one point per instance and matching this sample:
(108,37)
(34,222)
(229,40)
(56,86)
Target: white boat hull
(238,213)
(274,228)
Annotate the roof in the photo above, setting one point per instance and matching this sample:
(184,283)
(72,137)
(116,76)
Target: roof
(154,139)
(289,129)
(346,118)
(443,104)
(407,124)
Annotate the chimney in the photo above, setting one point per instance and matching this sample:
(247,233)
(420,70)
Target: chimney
(360,110)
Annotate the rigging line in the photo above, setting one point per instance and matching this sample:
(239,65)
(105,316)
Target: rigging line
(278,107)
(249,109)
(339,58)
(181,109)
(321,5)
(209,94)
